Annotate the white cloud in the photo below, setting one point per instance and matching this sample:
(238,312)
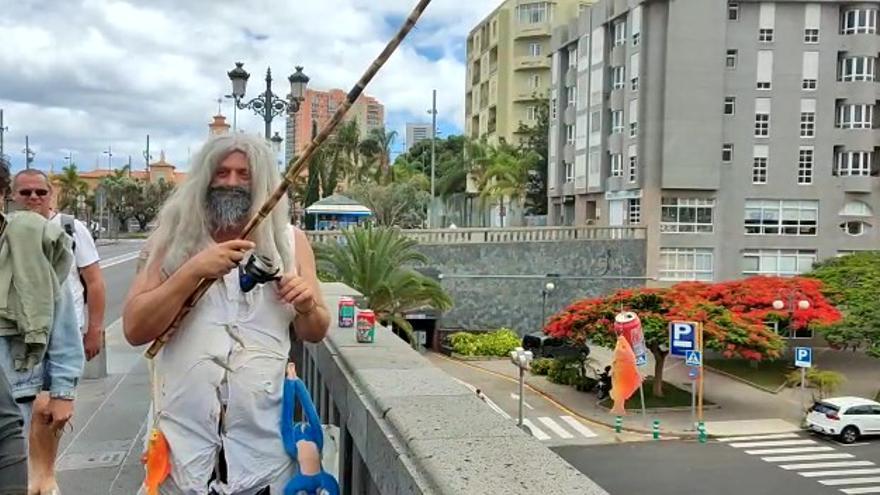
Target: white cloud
(86,74)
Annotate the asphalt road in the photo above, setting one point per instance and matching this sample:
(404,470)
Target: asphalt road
(788,464)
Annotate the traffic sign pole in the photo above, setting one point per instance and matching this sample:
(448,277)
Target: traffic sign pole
(702,374)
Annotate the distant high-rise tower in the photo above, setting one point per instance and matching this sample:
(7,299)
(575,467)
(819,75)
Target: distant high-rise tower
(416,133)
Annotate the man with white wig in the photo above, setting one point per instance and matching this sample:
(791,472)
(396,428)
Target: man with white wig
(217,383)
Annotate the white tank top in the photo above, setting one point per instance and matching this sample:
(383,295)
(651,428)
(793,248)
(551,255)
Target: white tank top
(231,350)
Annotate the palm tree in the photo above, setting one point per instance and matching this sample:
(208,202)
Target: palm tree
(71,185)
(376,261)
(378,145)
(506,175)
(347,147)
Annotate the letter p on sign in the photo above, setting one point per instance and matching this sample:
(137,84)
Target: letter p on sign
(682,338)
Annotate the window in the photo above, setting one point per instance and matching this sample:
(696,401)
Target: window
(727,153)
(534,13)
(634,209)
(759,170)
(732,11)
(535,81)
(571,94)
(778,262)
(781,217)
(531,112)
(633,168)
(811,35)
(553,114)
(765,69)
(810,71)
(616,121)
(569,171)
(686,215)
(569,134)
(766,21)
(534,49)
(618,77)
(850,163)
(634,71)
(854,228)
(856,21)
(765,35)
(857,68)
(636,16)
(633,129)
(808,124)
(616,165)
(619,33)
(572,58)
(805,165)
(762,125)
(855,116)
(595,121)
(730,61)
(686,264)
(856,209)
(729,105)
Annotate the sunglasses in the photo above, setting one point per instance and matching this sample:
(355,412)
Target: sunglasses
(30,192)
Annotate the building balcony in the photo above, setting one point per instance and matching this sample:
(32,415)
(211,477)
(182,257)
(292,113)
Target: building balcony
(865,91)
(541,29)
(859,184)
(860,44)
(528,62)
(528,94)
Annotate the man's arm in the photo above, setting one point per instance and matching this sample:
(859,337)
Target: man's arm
(312,325)
(94,281)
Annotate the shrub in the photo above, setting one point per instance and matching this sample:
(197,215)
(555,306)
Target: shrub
(826,382)
(498,343)
(541,366)
(564,371)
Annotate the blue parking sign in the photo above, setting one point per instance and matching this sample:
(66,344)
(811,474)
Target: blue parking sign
(803,357)
(682,338)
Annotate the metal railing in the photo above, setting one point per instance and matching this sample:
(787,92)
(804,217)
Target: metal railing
(405,427)
(501,235)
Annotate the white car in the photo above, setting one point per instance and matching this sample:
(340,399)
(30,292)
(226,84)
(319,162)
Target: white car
(845,417)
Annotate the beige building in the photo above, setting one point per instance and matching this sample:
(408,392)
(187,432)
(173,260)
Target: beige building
(508,65)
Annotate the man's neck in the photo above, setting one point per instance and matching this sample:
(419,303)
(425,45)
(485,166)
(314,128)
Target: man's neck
(226,234)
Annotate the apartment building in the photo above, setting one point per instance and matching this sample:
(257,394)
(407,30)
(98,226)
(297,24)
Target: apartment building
(319,107)
(416,133)
(508,65)
(744,135)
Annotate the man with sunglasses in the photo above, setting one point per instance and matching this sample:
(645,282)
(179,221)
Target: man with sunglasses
(32,191)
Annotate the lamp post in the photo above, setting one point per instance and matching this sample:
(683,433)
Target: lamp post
(789,305)
(276,141)
(268,105)
(521,359)
(548,289)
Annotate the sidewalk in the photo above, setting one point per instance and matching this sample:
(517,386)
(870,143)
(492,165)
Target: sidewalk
(102,454)
(740,409)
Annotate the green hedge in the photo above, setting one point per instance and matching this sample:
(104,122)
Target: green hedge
(498,343)
(567,372)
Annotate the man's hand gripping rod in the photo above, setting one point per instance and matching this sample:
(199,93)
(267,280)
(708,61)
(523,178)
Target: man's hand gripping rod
(294,171)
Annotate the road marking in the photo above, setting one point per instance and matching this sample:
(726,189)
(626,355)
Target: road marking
(555,428)
(823,465)
(855,491)
(793,450)
(811,457)
(843,472)
(516,398)
(852,481)
(536,432)
(780,443)
(118,260)
(759,437)
(578,426)
(492,405)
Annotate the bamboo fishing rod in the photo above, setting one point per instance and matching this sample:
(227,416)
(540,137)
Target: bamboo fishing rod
(294,171)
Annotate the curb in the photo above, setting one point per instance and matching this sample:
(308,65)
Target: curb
(746,382)
(550,397)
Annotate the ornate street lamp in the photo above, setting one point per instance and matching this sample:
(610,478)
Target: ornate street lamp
(268,105)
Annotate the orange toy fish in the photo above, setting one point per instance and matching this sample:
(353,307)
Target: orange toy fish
(157,461)
(625,376)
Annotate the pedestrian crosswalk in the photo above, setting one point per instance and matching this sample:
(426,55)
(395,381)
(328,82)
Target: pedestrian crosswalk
(810,459)
(547,428)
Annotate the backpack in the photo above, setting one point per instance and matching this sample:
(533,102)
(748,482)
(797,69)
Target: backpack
(67,224)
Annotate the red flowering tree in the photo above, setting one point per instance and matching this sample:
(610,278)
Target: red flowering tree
(733,316)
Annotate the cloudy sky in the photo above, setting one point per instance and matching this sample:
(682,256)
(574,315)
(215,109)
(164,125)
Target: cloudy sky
(81,75)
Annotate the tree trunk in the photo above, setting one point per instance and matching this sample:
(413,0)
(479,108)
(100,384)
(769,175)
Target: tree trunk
(659,361)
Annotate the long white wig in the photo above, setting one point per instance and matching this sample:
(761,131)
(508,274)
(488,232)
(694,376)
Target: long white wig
(184,227)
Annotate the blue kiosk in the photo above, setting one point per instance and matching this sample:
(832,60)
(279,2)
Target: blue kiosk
(338,212)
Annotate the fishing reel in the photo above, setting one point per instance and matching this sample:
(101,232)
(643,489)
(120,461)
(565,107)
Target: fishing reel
(257,270)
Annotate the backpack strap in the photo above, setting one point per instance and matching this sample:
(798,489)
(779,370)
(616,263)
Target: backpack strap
(67,224)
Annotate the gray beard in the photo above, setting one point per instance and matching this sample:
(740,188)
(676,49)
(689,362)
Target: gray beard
(228,207)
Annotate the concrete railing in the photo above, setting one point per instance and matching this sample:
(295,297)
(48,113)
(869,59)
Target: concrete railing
(408,428)
(499,235)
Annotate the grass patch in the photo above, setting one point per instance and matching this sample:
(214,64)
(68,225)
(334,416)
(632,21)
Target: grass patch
(767,374)
(672,397)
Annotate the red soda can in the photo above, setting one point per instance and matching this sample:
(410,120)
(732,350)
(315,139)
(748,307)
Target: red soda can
(366,326)
(346,312)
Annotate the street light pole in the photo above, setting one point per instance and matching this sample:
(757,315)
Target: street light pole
(268,105)
(548,289)
(521,358)
(433,113)
(109,153)
(789,306)
(28,152)
(3,130)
